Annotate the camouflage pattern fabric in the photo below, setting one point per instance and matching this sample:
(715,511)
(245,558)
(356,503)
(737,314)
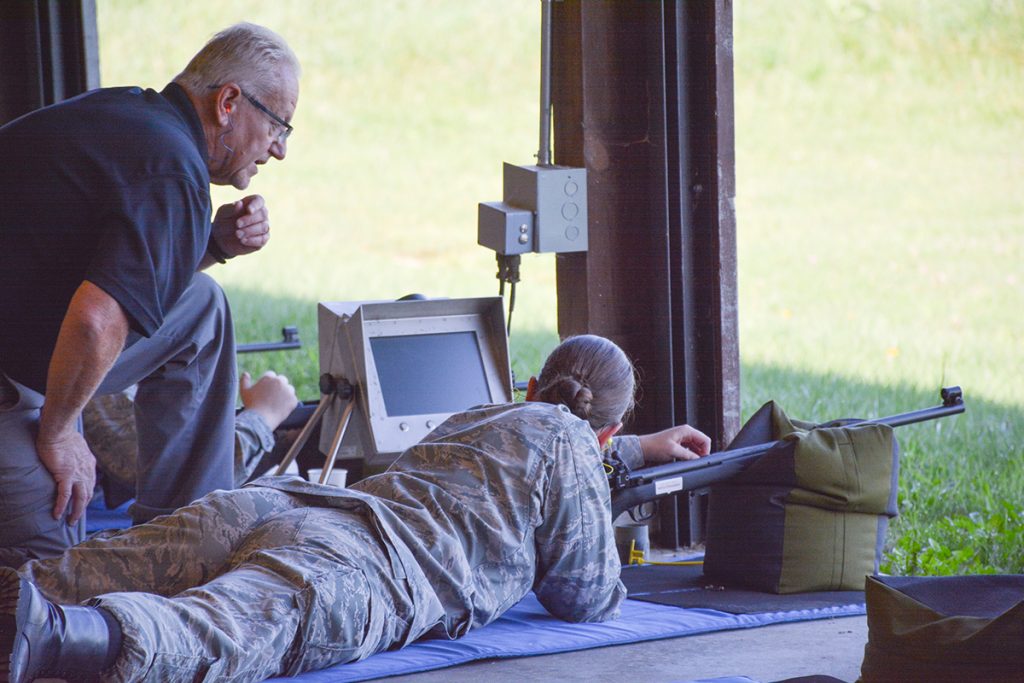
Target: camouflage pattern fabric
(285,576)
(109,426)
(493,503)
(253,440)
(241,585)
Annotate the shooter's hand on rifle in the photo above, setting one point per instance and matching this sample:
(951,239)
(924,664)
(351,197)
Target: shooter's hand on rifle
(675,443)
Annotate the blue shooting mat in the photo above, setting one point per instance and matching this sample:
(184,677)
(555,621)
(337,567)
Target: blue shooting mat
(527,629)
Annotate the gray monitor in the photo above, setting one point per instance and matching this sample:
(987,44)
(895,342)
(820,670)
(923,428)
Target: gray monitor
(413,363)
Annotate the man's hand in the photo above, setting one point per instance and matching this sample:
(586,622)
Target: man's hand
(91,337)
(242,227)
(73,467)
(675,443)
(273,397)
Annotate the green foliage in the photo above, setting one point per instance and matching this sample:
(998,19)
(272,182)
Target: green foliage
(984,542)
(881,232)
(880,160)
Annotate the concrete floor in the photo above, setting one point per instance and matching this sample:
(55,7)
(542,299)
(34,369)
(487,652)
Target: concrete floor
(831,647)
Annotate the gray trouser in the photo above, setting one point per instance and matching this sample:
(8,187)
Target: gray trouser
(184,411)
(241,585)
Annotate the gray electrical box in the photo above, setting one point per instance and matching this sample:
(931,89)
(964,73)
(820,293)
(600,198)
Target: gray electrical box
(544,210)
(505,229)
(558,197)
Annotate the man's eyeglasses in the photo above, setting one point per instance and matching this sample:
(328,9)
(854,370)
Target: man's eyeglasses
(288,128)
(277,119)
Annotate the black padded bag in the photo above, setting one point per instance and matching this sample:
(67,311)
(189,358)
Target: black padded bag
(944,628)
(809,515)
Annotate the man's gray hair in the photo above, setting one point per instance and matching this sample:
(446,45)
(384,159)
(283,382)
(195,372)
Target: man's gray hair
(252,56)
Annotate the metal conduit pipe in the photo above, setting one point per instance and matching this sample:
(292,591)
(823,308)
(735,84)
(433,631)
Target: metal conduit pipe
(544,153)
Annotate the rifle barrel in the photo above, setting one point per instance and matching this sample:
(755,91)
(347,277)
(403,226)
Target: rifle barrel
(650,482)
(922,415)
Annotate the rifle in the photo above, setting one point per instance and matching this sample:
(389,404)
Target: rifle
(632,488)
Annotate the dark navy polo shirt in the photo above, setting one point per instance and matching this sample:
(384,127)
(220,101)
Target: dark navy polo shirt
(112,187)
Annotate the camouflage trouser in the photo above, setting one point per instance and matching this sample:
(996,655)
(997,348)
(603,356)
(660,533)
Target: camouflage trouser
(241,585)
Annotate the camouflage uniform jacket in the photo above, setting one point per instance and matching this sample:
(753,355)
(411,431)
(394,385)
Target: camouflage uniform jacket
(495,502)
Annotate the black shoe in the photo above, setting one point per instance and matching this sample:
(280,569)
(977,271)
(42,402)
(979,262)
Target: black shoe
(40,639)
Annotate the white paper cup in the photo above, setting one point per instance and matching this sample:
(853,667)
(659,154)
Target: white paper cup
(337,478)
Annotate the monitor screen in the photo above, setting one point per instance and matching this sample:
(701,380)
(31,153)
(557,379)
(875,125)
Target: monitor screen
(421,374)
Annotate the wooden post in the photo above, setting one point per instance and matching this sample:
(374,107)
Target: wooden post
(643,98)
(50,52)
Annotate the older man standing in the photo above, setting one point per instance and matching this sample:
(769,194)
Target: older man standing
(104,227)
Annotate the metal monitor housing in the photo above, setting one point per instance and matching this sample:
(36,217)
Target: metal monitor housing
(347,331)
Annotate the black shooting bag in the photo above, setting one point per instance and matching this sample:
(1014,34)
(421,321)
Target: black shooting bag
(939,629)
(809,515)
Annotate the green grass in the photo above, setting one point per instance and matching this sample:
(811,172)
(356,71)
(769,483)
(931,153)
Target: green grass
(880,202)
(880,168)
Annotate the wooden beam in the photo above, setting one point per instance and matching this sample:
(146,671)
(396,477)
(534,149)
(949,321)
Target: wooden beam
(642,96)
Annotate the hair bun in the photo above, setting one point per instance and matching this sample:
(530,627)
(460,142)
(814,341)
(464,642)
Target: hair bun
(570,392)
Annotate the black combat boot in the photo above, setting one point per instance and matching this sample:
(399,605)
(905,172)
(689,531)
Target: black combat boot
(39,639)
